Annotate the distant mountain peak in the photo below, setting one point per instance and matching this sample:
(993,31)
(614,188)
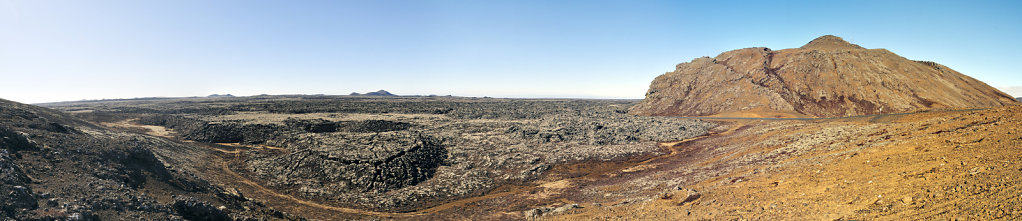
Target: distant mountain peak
(830,42)
(375,93)
(220,95)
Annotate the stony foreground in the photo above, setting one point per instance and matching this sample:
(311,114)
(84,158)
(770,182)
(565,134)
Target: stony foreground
(495,159)
(395,155)
(57,167)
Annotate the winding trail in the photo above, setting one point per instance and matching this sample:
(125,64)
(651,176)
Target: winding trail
(148,129)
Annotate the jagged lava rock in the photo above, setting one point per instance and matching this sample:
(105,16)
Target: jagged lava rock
(828,77)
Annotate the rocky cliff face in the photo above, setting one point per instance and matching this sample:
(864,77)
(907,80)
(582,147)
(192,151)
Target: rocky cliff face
(828,77)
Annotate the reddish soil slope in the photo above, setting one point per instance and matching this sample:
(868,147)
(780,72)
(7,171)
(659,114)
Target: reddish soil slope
(828,77)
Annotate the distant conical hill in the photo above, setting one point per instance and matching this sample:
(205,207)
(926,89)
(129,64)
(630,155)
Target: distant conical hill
(828,77)
(375,93)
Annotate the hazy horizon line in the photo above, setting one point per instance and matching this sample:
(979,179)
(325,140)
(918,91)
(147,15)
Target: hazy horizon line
(580,97)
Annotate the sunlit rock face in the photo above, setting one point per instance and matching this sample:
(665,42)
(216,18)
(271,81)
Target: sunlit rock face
(828,77)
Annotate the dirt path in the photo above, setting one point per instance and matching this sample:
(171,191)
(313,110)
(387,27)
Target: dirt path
(237,147)
(148,129)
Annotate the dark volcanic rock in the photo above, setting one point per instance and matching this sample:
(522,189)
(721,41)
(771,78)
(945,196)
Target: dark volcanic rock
(360,126)
(311,125)
(218,132)
(372,126)
(603,129)
(367,162)
(828,77)
(14,141)
(193,209)
(386,153)
(14,195)
(56,167)
(234,132)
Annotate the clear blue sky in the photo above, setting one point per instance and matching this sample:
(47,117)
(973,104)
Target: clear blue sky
(71,50)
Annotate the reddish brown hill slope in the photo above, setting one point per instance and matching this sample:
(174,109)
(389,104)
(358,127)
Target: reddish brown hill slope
(828,77)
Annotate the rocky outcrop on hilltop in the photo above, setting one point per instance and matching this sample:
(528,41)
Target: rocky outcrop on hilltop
(828,77)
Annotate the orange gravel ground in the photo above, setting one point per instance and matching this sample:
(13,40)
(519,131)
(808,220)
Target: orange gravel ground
(953,165)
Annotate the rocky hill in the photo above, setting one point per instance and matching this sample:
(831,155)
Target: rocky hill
(828,77)
(57,167)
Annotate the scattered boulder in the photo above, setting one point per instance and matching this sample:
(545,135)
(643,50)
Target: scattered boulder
(14,192)
(13,140)
(83,216)
(565,208)
(536,212)
(542,211)
(193,209)
(690,195)
(19,197)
